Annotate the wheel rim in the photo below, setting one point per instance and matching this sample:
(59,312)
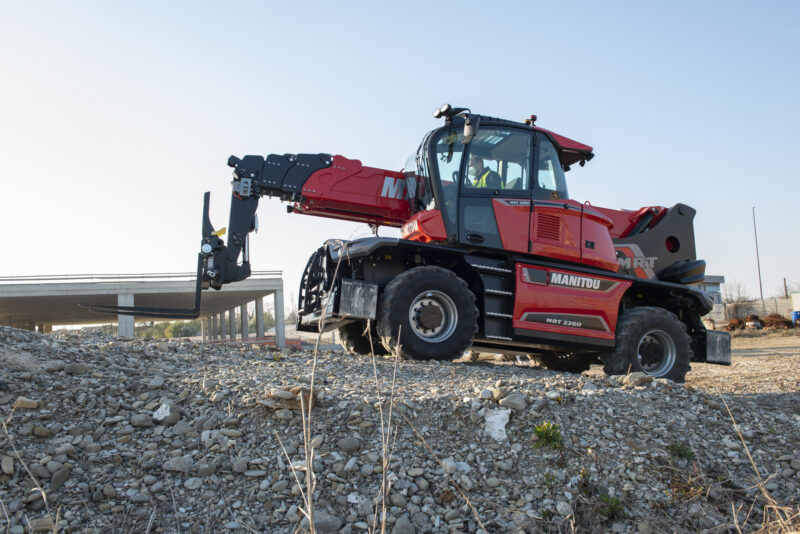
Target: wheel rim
(656,352)
(433,316)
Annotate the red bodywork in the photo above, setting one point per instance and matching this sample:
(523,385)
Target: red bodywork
(348,190)
(560,301)
(425,226)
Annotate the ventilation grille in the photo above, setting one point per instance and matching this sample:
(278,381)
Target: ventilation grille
(548,227)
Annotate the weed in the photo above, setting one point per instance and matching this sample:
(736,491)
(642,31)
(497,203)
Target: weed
(276,356)
(549,480)
(547,514)
(681,450)
(549,435)
(611,508)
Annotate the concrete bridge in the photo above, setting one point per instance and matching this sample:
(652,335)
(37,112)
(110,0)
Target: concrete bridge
(41,302)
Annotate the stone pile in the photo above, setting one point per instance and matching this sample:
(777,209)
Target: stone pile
(144,435)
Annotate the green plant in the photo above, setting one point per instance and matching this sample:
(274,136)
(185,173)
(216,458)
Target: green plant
(611,507)
(681,450)
(549,435)
(547,514)
(549,480)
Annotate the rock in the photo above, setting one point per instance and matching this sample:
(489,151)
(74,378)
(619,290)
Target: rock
(77,369)
(255,473)
(41,432)
(515,401)
(181,464)
(539,404)
(281,394)
(59,477)
(499,393)
(496,421)
(589,386)
(156,382)
(420,520)
(563,508)
(54,366)
(141,420)
(553,395)
(486,394)
(415,472)
(193,483)
(7,465)
(326,523)
(636,379)
(349,444)
(403,526)
(24,403)
(109,491)
(493,482)
(643,527)
(219,395)
(205,469)
(240,465)
(732,445)
(448,466)
(795,463)
(42,524)
(166,415)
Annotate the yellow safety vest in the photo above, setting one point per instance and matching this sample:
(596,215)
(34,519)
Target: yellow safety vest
(481,182)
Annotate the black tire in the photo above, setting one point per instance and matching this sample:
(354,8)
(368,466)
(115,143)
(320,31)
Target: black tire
(650,340)
(354,341)
(569,362)
(442,309)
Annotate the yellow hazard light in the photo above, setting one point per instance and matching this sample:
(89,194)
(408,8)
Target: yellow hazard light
(220,232)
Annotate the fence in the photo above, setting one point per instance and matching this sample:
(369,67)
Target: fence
(740,310)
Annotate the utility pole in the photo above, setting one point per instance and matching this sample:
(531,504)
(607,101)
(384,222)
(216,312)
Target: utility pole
(758,261)
(785,289)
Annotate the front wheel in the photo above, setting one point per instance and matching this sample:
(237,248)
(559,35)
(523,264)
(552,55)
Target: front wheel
(434,312)
(650,340)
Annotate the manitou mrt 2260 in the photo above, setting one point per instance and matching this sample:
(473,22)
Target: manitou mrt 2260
(504,262)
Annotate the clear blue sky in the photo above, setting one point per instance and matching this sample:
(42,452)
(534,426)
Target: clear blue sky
(116,117)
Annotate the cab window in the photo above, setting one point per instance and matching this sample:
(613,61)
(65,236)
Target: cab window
(449,151)
(499,162)
(550,180)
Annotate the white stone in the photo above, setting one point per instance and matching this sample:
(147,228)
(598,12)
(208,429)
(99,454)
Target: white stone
(496,421)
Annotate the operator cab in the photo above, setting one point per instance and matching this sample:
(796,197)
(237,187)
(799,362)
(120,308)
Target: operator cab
(501,184)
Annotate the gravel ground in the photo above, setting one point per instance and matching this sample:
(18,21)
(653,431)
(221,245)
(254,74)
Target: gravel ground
(143,435)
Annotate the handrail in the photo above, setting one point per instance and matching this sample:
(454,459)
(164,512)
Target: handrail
(119,277)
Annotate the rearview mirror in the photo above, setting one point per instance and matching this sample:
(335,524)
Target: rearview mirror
(470,128)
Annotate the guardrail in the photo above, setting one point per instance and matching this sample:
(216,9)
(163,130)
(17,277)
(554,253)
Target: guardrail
(60,278)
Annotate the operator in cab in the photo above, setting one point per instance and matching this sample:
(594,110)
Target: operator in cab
(482,176)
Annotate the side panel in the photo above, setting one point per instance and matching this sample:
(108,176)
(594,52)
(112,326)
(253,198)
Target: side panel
(556,229)
(567,303)
(425,226)
(513,220)
(597,249)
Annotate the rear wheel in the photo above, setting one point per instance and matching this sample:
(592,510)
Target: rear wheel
(650,340)
(434,312)
(355,340)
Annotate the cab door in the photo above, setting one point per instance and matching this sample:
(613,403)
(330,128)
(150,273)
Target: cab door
(495,213)
(555,221)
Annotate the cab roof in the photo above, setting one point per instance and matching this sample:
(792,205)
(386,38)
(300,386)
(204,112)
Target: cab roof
(569,150)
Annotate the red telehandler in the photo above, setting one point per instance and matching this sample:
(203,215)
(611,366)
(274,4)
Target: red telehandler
(501,262)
